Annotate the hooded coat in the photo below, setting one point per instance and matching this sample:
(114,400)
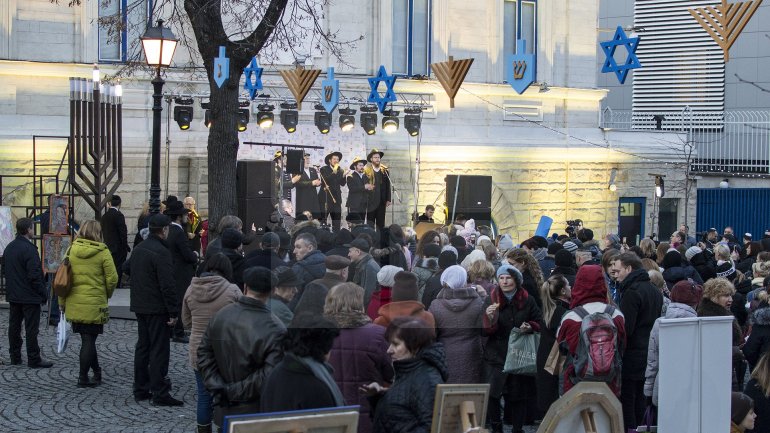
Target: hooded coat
(589,292)
(641,304)
(93,281)
(392,310)
(704,265)
(380,298)
(458,314)
(675,270)
(408,405)
(759,340)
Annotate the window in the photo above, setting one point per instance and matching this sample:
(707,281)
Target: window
(121,24)
(519,22)
(411,36)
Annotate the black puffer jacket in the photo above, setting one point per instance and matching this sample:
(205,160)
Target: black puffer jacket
(759,340)
(23,273)
(705,265)
(408,405)
(641,304)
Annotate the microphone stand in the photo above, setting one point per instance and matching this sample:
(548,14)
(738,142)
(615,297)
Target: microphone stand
(328,193)
(395,193)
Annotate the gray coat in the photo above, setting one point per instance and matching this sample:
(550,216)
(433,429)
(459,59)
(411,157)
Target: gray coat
(675,310)
(364,273)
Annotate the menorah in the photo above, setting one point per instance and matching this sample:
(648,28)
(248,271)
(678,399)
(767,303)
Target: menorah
(96,140)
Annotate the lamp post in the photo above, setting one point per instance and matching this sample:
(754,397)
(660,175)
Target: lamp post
(158,44)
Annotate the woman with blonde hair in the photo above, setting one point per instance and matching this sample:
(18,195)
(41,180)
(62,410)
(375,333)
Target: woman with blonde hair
(758,388)
(717,299)
(648,248)
(661,251)
(556,293)
(93,281)
(530,270)
(482,273)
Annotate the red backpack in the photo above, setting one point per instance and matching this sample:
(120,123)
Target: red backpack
(597,358)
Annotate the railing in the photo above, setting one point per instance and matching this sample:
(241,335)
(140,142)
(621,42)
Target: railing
(736,141)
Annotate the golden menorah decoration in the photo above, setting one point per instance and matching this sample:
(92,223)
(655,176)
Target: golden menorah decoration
(725,22)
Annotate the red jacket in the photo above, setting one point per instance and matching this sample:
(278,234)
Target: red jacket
(379,299)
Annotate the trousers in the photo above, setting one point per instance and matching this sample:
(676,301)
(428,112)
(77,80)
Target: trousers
(29,314)
(152,354)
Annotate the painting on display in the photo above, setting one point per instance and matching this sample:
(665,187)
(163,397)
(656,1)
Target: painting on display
(54,249)
(58,207)
(6,227)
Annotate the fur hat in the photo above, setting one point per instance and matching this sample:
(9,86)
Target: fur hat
(687,292)
(386,275)
(740,405)
(404,287)
(231,238)
(454,277)
(692,252)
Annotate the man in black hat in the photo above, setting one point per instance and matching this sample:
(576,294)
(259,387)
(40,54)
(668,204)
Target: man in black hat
(267,255)
(286,287)
(379,200)
(184,258)
(330,196)
(359,191)
(307,189)
(155,302)
(313,297)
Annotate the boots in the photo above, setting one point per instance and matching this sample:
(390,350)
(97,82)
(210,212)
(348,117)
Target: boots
(98,376)
(85,382)
(204,428)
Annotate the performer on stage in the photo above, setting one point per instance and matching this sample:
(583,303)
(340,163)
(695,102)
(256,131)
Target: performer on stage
(379,200)
(282,176)
(307,190)
(359,190)
(330,196)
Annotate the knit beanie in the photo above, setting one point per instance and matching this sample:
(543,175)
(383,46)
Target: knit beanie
(404,287)
(505,268)
(446,259)
(387,274)
(691,252)
(554,248)
(505,243)
(454,277)
(740,406)
(564,259)
(474,256)
(570,246)
(686,292)
(231,238)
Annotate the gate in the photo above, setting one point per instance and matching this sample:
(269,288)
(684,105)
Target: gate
(746,210)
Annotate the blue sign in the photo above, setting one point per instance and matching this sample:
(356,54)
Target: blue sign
(632,62)
(330,91)
(389,96)
(253,75)
(221,68)
(521,68)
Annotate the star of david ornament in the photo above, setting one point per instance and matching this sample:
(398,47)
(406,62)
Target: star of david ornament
(632,62)
(389,96)
(221,68)
(253,74)
(330,96)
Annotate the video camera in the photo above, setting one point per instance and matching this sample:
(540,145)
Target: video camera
(572,226)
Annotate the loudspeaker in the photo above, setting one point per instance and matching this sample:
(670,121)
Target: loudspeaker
(255,211)
(294,161)
(474,192)
(482,217)
(254,179)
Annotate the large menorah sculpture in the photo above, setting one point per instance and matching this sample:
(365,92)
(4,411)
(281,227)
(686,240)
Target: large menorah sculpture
(96,140)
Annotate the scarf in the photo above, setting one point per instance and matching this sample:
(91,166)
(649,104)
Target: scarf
(350,319)
(323,372)
(539,254)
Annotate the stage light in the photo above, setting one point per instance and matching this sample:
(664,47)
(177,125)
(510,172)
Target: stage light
(368,119)
(347,119)
(390,121)
(243,119)
(323,120)
(183,115)
(289,117)
(412,120)
(660,189)
(265,115)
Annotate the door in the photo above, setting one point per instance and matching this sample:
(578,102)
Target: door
(667,218)
(631,219)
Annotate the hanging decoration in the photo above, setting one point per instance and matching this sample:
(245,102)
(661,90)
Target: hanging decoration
(521,68)
(221,68)
(299,82)
(451,75)
(253,75)
(632,62)
(374,96)
(725,22)
(330,91)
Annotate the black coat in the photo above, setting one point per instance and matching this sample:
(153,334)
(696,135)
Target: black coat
(358,196)
(293,386)
(705,265)
(183,257)
(531,287)
(568,272)
(547,383)
(432,288)
(759,341)
(675,274)
(407,406)
(307,195)
(334,181)
(23,273)
(152,280)
(115,234)
(265,258)
(640,303)
(547,265)
(239,265)
(761,406)
(381,192)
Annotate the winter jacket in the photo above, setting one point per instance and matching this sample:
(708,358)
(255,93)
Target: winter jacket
(675,310)
(311,267)
(407,406)
(675,270)
(708,308)
(359,356)
(241,346)
(314,295)
(280,309)
(424,269)
(530,285)
(458,314)
(238,263)
(590,293)
(152,280)
(403,309)
(761,406)
(568,272)
(93,280)
(380,298)
(641,304)
(206,295)
(546,265)
(115,234)
(759,340)
(364,273)
(184,258)
(265,258)
(292,385)
(547,383)
(705,265)
(23,273)
(432,288)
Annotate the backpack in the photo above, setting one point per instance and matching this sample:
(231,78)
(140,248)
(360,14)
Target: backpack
(598,357)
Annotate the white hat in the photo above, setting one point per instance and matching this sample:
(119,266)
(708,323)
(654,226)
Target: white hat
(386,275)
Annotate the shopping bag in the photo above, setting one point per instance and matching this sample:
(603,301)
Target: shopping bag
(554,364)
(62,281)
(62,334)
(522,353)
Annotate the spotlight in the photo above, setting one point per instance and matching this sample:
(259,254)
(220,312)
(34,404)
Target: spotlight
(183,115)
(265,116)
(412,120)
(660,189)
(243,119)
(323,120)
(390,121)
(289,117)
(347,119)
(369,119)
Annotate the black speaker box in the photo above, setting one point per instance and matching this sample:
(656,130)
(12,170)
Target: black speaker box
(482,217)
(294,161)
(255,211)
(254,179)
(474,192)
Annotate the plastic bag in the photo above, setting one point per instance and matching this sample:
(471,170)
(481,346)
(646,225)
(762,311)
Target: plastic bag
(62,334)
(522,353)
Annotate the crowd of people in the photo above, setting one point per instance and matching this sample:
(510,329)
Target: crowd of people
(315,318)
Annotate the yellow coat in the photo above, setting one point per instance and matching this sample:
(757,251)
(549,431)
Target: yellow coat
(93,281)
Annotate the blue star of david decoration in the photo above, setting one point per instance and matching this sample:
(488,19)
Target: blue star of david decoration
(632,62)
(253,74)
(389,96)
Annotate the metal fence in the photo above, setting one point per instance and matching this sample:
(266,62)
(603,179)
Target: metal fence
(735,141)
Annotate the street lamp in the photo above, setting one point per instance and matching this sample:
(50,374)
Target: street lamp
(158,44)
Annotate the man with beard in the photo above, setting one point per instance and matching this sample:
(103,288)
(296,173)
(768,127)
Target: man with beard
(330,196)
(359,190)
(379,201)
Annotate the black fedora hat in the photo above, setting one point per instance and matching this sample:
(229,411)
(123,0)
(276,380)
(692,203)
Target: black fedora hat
(329,156)
(175,208)
(356,160)
(374,152)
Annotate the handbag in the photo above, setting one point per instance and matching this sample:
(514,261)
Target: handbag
(647,427)
(62,336)
(522,353)
(62,282)
(554,364)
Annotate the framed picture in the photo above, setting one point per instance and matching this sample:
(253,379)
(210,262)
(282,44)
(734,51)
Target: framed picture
(329,420)
(54,249)
(459,408)
(58,207)
(6,227)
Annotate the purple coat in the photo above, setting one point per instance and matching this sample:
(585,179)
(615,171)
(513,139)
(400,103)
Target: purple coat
(458,314)
(359,356)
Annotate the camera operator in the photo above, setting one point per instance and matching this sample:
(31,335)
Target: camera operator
(573,226)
